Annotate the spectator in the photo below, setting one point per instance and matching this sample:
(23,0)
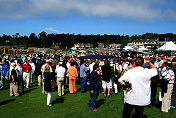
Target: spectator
(73,74)
(140,93)
(169,76)
(60,70)
(47,85)
(106,77)
(18,68)
(13,81)
(4,73)
(26,68)
(83,75)
(95,87)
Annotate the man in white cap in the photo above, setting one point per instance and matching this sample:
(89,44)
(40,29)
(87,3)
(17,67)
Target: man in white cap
(13,81)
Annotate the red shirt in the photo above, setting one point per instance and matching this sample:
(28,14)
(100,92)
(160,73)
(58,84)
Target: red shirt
(26,67)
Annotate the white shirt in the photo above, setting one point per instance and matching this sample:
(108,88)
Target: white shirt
(19,69)
(140,80)
(33,67)
(68,65)
(91,67)
(125,65)
(60,71)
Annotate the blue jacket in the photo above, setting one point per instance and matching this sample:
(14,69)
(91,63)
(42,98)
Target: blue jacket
(94,81)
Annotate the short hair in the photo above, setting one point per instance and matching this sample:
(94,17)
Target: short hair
(106,61)
(72,63)
(139,61)
(95,66)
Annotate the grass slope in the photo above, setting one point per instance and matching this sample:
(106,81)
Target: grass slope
(32,104)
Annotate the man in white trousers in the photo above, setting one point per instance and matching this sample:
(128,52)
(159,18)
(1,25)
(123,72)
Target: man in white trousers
(26,68)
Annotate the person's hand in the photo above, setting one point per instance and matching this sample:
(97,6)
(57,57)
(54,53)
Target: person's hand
(91,91)
(146,61)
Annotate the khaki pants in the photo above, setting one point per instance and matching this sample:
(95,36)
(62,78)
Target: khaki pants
(60,84)
(39,80)
(14,89)
(166,101)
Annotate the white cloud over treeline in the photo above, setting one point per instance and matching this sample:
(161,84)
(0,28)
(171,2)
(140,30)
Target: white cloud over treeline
(139,10)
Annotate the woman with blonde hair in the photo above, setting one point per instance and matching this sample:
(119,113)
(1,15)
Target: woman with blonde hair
(47,85)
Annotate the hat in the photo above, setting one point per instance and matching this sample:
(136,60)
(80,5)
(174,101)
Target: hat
(101,63)
(47,61)
(60,62)
(13,64)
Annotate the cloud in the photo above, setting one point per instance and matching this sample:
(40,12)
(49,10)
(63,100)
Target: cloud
(53,30)
(139,10)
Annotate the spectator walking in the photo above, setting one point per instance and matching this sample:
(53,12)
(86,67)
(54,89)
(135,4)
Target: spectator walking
(13,81)
(47,85)
(83,75)
(106,78)
(18,68)
(60,70)
(73,74)
(4,73)
(95,87)
(26,68)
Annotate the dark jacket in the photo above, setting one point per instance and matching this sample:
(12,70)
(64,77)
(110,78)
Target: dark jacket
(13,72)
(47,85)
(94,81)
(106,72)
(174,69)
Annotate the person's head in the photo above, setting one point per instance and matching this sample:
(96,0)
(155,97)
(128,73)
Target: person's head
(72,63)
(96,67)
(19,63)
(60,64)
(139,61)
(47,61)
(47,68)
(105,61)
(27,62)
(84,62)
(13,65)
(3,62)
(30,60)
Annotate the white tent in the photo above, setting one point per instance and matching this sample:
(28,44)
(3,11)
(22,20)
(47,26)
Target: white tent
(142,49)
(168,46)
(128,48)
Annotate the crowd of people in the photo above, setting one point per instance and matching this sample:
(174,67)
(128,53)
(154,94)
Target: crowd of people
(139,77)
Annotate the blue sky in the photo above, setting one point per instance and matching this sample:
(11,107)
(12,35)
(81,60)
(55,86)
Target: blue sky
(128,17)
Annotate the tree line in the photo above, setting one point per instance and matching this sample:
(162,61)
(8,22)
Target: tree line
(68,40)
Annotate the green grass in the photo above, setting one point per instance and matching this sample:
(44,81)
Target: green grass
(32,104)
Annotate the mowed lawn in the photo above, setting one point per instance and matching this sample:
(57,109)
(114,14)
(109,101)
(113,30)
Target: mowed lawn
(32,104)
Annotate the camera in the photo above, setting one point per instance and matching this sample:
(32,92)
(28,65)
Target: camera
(126,85)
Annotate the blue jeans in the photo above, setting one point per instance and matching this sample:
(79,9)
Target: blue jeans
(83,82)
(94,97)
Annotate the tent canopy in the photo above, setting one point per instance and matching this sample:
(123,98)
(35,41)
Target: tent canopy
(128,48)
(97,57)
(168,46)
(142,49)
